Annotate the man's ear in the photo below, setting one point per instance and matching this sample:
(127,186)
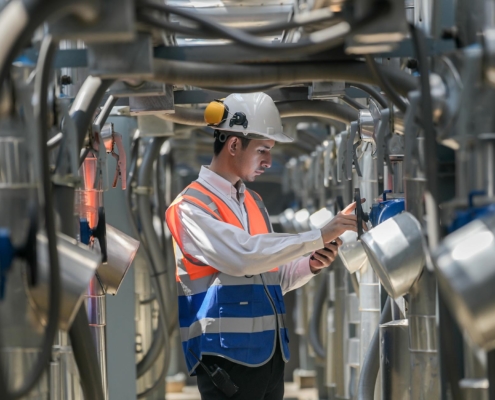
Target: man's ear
(233,144)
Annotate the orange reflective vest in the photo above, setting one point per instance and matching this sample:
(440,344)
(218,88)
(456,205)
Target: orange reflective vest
(238,318)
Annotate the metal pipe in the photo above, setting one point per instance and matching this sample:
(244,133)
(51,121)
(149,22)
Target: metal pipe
(315,320)
(201,74)
(287,109)
(371,364)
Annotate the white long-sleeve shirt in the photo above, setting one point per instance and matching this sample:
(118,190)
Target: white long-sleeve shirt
(234,251)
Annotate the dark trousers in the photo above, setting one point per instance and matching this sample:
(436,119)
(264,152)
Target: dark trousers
(255,383)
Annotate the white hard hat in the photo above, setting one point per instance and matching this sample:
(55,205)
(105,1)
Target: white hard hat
(251,115)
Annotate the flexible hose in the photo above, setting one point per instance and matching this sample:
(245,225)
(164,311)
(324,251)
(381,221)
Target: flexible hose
(385,84)
(209,75)
(157,259)
(314,323)
(372,92)
(41,84)
(371,363)
(353,103)
(84,351)
(20,18)
(159,339)
(87,100)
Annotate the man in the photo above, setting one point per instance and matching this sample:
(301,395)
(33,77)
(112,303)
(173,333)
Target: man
(232,270)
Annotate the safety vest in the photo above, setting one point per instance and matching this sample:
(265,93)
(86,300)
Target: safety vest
(219,314)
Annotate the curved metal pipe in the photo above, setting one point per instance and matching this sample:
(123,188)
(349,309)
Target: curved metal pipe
(315,108)
(287,109)
(203,74)
(372,92)
(87,100)
(314,323)
(371,364)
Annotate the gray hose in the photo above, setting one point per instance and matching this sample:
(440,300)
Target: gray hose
(84,351)
(87,100)
(353,103)
(315,108)
(159,339)
(372,92)
(371,364)
(204,74)
(287,109)
(314,323)
(157,259)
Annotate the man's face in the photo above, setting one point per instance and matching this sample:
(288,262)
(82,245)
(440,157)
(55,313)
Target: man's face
(253,160)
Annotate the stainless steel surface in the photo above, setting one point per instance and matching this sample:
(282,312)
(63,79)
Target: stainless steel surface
(369,305)
(77,267)
(474,389)
(464,275)
(394,361)
(366,126)
(353,256)
(341,331)
(395,251)
(393,178)
(121,250)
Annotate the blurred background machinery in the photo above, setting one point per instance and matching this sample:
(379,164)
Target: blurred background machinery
(101,126)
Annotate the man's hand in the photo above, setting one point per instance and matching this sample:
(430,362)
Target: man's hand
(324,257)
(343,221)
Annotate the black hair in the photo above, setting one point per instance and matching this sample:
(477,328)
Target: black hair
(218,145)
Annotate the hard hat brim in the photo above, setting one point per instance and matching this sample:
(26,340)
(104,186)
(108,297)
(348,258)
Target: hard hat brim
(278,137)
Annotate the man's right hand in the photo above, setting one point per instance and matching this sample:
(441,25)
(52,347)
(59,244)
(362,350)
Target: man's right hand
(343,221)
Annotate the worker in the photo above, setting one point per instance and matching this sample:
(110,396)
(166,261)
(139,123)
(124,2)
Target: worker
(232,269)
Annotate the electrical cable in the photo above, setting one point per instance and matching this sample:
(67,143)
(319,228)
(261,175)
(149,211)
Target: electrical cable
(314,323)
(209,75)
(84,351)
(385,84)
(353,103)
(372,92)
(371,363)
(43,67)
(20,18)
(316,41)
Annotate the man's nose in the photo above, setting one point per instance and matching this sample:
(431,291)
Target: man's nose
(267,162)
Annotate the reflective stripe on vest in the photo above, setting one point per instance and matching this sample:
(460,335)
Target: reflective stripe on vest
(234,317)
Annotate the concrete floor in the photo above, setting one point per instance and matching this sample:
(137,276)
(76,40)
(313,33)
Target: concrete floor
(292,392)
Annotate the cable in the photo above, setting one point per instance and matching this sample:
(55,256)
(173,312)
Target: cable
(84,352)
(316,41)
(314,323)
(43,67)
(209,75)
(372,92)
(371,363)
(353,103)
(385,84)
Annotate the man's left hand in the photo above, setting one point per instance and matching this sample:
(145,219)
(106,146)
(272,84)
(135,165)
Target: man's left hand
(324,257)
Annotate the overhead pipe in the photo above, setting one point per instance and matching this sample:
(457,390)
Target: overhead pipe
(287,109)
(201,74)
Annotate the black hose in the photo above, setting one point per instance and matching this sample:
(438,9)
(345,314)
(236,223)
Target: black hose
(84,351)
(385,84)
(314,323)
(158,341)
(430,145)
(372,92)
(210,75)
(41,84)
(490,366)
(20,18)
(85,104)
(353,103)
(371,363)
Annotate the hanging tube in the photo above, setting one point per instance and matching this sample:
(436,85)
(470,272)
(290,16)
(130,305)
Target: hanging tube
(203,74)
(371,364)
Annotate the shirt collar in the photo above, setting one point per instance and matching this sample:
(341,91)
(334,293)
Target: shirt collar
(220,183)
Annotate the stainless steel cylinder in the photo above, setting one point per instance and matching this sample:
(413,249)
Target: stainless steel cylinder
(394,360)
